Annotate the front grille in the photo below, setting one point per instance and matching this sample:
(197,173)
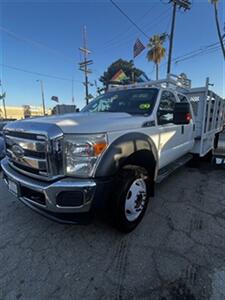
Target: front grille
(25,135)
(28,152)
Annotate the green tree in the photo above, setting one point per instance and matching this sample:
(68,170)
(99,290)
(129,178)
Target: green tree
(215,4)
(156,50)
(120,64)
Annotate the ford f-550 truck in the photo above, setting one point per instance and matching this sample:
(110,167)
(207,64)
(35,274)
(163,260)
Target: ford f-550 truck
(111,153)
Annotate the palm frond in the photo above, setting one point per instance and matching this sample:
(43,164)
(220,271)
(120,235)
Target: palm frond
(156,49)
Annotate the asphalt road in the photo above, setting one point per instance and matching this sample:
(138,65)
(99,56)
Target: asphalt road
(178,252)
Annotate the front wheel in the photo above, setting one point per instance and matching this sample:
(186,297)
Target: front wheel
(130,197)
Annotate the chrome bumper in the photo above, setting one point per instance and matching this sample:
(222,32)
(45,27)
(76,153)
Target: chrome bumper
(51,191)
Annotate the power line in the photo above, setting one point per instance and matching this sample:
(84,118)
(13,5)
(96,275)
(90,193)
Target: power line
(206,51)
(195,53)
(159,19)
(154,23)
(32,42)
(37,73)
(121,34)
(130,20)
(129,38)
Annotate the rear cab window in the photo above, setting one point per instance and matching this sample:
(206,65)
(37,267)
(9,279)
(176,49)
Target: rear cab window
(182,98)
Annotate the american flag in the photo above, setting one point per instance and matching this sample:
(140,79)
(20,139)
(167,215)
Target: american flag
(55,98)
(138,48)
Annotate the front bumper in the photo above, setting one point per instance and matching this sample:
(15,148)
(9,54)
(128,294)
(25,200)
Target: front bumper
(43,196)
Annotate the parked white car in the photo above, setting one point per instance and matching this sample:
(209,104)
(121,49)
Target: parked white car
(2,148)
(2,142)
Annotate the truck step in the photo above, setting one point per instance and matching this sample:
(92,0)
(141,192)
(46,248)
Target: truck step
(166,171)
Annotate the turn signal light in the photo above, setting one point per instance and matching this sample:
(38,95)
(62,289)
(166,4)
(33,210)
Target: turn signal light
(99,148)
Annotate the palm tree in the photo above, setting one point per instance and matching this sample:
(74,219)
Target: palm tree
(156,50)
(215,4)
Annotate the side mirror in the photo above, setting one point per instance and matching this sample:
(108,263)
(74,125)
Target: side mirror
(77,110)
(182,113)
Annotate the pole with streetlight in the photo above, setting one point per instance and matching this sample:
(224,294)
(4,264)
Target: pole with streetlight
(73,91)
(2,97)
(42,95)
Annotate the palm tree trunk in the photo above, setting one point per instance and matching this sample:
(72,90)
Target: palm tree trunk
(218,29)
(157,71)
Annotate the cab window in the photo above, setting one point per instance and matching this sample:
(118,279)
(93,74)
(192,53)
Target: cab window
(182,98)
(166,108)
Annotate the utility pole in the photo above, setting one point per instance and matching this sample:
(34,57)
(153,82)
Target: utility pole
(73,91)
(185,4)
(4,107)
(42,95)
(218,28)
(3,99)
(85,63)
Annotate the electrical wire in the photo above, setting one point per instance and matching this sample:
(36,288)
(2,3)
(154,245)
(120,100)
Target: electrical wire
(37,73)
(192,54)
(32,42)
(204,52)
(130,38)
(130,20)
(159,19)
(203,48)
(129,28)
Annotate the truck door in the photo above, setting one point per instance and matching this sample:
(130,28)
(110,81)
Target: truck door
(171,141)
(187,130)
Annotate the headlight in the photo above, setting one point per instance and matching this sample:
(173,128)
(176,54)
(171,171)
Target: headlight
(83,152)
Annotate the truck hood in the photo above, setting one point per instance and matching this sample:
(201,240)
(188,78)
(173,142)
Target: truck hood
(91,122)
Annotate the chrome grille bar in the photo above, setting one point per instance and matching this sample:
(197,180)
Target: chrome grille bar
(27,144)
(38,164)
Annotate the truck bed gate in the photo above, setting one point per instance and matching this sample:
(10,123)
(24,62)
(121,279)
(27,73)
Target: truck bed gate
(209,111)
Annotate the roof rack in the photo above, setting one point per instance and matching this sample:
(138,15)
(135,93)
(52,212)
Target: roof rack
(172,81)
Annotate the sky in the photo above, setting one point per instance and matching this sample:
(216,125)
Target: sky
(44,37)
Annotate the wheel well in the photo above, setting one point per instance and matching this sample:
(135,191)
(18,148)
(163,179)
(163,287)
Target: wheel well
(142,158)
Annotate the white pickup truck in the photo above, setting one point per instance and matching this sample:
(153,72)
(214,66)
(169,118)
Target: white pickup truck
(111,153)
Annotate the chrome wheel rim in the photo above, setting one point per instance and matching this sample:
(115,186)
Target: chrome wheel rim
(135,199)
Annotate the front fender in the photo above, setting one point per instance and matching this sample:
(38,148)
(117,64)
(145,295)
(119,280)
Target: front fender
(123,147)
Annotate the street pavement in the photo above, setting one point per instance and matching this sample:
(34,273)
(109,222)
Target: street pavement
(177,253)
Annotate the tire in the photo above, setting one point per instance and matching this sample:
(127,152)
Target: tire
(130,198)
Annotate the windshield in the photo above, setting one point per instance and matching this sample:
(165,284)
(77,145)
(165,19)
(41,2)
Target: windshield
(136,101)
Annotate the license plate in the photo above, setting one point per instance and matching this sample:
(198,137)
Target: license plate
(13,187)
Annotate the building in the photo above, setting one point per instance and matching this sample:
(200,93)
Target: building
(61,109)
(21,112)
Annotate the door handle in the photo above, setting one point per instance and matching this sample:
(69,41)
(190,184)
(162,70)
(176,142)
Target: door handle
(182,129)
